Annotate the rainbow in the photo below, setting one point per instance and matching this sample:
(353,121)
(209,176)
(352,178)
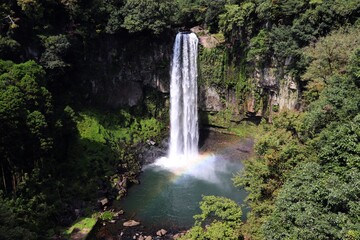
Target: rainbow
(201,166)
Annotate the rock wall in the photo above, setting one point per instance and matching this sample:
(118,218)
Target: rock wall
(233,89)
(118,70)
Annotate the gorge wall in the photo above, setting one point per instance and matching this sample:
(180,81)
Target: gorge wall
(123,72)
(233,89)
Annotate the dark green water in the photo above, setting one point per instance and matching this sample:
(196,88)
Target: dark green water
(169,200)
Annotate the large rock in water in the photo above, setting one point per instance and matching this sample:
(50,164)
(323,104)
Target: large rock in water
(131,223)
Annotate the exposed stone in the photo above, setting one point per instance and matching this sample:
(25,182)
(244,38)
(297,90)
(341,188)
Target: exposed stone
(117,214)
(77,212)
(178,235)
(279,88)
(287,97)
(205,38)
(250,104)
(210,99)
(292,85)
(161,232)
(148,238)
(141,237)
(150,142)
(197,29)
(118,71)
(266,77)
(149,153)
(208,41)
(131,223)
(103,202)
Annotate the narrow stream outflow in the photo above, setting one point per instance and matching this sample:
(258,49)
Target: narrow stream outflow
(184,133)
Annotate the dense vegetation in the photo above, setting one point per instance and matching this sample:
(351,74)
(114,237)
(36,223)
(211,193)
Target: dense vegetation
(304,182)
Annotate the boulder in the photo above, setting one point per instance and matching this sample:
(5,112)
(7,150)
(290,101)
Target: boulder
(178,235)
(292,85)
(103,202)
(131,223)
(117,214)
(161,232)
(148,238)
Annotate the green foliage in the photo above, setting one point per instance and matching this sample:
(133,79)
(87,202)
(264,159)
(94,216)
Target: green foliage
(106,143)
(9,227)
(8,47)
(219,70)
(259,47)
(283,43)
(278,152)
(304,182)
(55,50)
(315,204)
(123,126)
(355,66)
(236,17)
(140,15)
(32,212)
(200,12)
(329,56)
(191,12)
(115,21)
(222,217)
(337,102)
(86,222)
(107,215)
(212,69)
(290,8)
(32,8)
(245,129)
(25,109)
(339,146)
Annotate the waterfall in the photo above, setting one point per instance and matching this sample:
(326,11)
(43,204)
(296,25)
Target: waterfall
(184,133)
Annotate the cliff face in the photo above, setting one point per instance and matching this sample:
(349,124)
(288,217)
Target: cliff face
(234,90)
(119,70)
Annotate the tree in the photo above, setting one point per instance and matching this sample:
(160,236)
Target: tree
(337,102)
(236,18)
(221,216)
(25,112)
(339,146)
(55,50)
(283,44)
(316,204)
(9,227)
(329,56)
(140,15)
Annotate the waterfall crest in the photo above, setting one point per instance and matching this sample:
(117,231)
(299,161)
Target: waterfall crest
(184,133)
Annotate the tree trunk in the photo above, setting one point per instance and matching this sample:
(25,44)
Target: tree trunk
(14,183)
(3,177)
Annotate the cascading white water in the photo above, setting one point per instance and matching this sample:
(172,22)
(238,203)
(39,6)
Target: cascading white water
(184,133)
